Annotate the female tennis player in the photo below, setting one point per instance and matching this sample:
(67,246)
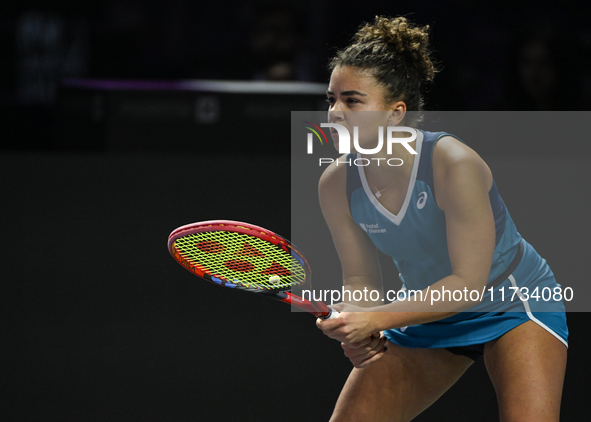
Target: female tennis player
(441,219)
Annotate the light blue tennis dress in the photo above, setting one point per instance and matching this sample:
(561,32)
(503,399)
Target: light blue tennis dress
(416,240)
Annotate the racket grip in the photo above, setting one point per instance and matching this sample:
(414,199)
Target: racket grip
(331,314)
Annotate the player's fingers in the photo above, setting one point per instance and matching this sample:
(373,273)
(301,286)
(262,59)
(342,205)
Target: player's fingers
(334,328)
(370,342)
(356,348)
(330,331)
(359,344)
(372,359)
(372,339)
(364,352)
(324,324)
(378,343)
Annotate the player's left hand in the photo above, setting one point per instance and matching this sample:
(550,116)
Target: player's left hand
(367,351)
(352,325)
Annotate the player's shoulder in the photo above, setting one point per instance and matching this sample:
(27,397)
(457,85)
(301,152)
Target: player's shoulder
(450,153)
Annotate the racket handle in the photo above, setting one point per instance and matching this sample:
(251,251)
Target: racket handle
(331,314)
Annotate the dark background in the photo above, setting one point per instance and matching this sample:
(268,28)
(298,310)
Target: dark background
(99,323)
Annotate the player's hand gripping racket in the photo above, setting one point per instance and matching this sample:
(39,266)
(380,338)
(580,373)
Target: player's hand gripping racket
(245,257)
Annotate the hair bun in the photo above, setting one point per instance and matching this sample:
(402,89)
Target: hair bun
(398,36)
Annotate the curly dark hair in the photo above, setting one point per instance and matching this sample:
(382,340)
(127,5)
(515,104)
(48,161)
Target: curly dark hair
(396,54)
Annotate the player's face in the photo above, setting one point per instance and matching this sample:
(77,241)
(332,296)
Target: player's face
(355,99)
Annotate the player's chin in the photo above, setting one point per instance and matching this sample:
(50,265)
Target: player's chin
(335,139)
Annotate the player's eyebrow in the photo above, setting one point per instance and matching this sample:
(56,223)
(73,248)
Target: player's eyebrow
(347,93)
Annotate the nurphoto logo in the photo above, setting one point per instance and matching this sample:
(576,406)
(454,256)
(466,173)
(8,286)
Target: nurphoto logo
(345,143)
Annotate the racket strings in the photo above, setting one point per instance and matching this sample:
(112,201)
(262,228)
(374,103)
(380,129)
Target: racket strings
(241,259)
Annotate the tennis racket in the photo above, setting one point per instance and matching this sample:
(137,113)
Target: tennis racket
(245,257)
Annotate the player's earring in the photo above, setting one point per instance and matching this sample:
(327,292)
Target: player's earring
(391,123)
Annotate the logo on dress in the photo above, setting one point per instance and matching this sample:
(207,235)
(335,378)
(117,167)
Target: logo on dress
(372,228)
(422,200)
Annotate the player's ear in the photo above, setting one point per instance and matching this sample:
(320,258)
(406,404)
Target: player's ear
(398,111)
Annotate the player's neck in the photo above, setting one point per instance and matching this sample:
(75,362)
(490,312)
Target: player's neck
(384,171)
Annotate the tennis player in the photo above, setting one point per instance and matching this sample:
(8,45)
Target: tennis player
(441,219)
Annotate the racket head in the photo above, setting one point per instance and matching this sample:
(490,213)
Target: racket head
(238,255)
